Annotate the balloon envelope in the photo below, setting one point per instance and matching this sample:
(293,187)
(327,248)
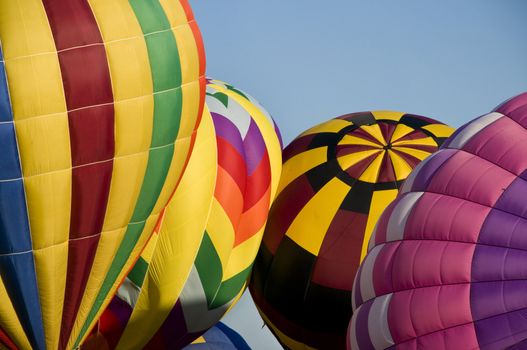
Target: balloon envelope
(96,125)
(445,268)
(168,300)
(336,180)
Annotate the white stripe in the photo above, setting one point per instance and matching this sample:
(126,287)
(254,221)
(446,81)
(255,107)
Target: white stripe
(397,221)
(234,112)
(473,128)
(353,331)
(129,292)
(198,316)
(367,290)
(378,327)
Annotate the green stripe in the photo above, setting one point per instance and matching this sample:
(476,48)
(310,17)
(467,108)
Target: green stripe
(138,273)
(230,288)
(208,265)
(167,77)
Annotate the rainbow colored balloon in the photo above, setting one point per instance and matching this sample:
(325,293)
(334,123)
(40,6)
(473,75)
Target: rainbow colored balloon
(99,102)
(446,263)
(195,269)
(337,179)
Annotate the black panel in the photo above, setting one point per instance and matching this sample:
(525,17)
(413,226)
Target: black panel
(288,279)
(329,310)
(413,122)
(362,118)
(359,198)
(261,267)
(324,139)
(320,175)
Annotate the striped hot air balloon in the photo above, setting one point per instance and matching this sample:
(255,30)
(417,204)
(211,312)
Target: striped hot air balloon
(445,267)
(179,289)
(99,102)
(337,178)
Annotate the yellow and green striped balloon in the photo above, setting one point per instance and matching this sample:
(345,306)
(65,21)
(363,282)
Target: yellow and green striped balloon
(99,103)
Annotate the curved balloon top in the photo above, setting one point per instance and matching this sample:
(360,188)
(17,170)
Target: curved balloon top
(219,337)
(96,125)
(199,292)
(445,264)
(336,180)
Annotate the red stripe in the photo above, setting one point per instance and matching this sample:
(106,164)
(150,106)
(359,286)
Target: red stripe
(89,99)
(6,341)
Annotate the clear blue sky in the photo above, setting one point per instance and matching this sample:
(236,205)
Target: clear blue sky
(308,61)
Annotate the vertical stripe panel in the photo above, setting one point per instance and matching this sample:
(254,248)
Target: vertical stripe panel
(89,99)
(37,97)
(168,100)
(134,109)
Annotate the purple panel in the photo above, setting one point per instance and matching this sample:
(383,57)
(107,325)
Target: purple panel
(493,263)
(502,331)
(503,229)
(515,108)
(226,129)
(513,199)
(488,299)
(361,327)
(254,147)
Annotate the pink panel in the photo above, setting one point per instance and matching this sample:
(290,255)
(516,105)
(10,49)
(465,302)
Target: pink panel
(417,312)
(503,144)
(445,218)
(382,270)
(461,337)
(467,176)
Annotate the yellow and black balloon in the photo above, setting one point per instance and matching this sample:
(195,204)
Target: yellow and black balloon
(337,178)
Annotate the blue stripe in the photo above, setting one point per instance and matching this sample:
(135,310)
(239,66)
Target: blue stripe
(17,265)
(236,339)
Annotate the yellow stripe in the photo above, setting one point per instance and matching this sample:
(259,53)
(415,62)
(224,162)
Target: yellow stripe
(375,131)
(412,151)
(379,202)
(221,232)
(387,115)
(41,121)
(426,141)
(401,168)
(372,171)
(150,248)
(175,12)
(191,88)
(354,140)
(439,130)
(300,164)
(132,90)
(9,320)
(200,340)
(333,125)
(353,158)
(179,239)
(401,130)
(242,256)
(268,132)
(309,227)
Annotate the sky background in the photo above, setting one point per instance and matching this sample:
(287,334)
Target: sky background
(308,61)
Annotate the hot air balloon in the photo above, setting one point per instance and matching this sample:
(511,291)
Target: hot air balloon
(336,180)
(445,267)
(166,302)
(219,337)
(96,126)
